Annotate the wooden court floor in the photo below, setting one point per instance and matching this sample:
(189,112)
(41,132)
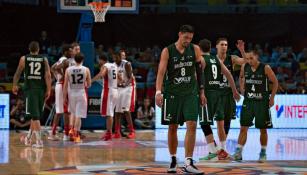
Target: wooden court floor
(147,154)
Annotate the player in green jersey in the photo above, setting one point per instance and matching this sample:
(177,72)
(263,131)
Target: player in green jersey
(37,87)
(257,102)
(179,63)
(213,71)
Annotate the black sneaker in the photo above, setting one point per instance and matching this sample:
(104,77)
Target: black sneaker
(173,166)
(191,168)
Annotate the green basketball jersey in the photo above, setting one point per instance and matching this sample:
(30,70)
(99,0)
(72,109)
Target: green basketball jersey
(224,84)
(256,83)
(34,73)
(181,72)
(212,72)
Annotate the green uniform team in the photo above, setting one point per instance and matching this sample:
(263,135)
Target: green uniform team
(227,105)
(256,98)
(213,75)
(181,101)
(34,85)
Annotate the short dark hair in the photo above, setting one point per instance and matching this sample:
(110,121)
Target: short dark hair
(103,57)
(255,52)
(74,44)
(186,28)
(66,48)
(34,46)
(79,58)
(205,45)
(221,39)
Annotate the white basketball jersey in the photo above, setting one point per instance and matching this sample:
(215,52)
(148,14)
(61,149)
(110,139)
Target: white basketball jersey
(59,76)
(122,73)
(111,79)
(77,78)
(71,62)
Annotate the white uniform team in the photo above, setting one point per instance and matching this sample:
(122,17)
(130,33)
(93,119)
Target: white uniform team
(60,107)
(109,93)
(126,100)
(77,91)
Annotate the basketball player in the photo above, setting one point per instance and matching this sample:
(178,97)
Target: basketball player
(109,92)
(257,102)
(227,105)
(213,71)
(77,79)
(37,87)
(126,98)
(58,70)
(181,61)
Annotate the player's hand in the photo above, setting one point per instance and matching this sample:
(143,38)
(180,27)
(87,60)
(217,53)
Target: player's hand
(159,100)
(15,90)
(240,45)
(236,95)
(203,99)
(47,95)
(271,103)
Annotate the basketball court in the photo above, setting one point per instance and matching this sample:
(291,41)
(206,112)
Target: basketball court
(148,154)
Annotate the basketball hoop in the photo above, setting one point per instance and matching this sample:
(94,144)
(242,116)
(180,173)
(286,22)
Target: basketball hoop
(99,9)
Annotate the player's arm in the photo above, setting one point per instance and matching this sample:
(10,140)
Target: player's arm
(271,75)
(231,81)
(17,74)
(242,80)
(128,69)
(102,73)
(200,74)
(88,78)
(160,76)
(47,79)
(65,88)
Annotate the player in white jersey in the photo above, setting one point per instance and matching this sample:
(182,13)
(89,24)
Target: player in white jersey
(126,90)
(109,92)
(78,78)
(58,70)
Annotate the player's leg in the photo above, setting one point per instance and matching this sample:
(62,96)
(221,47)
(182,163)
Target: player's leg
(37,111)
(128,102)
(246,120)
(28,138)
(262,122)
(58,110)
(109,113)
(212,155)
(230,113)
(190,110)
(172,139)
(131,134)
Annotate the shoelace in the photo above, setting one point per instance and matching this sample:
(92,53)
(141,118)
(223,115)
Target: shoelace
(192,163)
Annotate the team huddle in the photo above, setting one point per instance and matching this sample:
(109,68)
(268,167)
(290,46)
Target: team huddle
(72,83)
(197,85)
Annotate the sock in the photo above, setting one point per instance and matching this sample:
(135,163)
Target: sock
(29,135)
(240,147)
(188,161)
(212,148)
(223,145)
(38,135)
(263,148)
(54,129)
(66,129)
(173,155)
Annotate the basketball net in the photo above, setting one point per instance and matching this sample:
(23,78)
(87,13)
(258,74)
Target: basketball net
(99,10)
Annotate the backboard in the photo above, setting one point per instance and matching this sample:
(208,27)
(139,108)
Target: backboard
(79,6)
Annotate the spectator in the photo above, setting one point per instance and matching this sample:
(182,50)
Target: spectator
(281,77)
(146,116)
(2,89)
(18,116)
(44,42)
(302,57)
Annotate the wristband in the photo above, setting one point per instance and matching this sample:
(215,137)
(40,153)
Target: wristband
(158,93)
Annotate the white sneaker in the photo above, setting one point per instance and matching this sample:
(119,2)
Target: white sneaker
(53,137)
(191,168)
(65,138)
(27,141)
(39,144)
(173,166)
